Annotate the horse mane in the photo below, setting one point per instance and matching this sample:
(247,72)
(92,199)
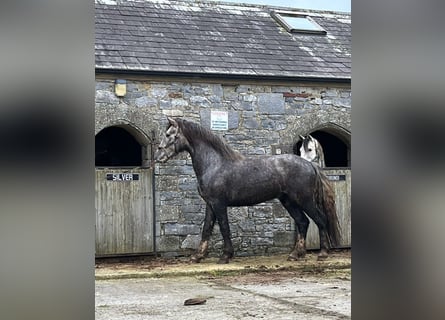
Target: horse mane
(320,153)
(193,131)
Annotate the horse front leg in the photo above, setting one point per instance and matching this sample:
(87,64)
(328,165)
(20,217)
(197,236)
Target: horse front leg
(223,221)
(207,229)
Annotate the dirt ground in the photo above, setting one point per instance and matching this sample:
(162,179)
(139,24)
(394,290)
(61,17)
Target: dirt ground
(337,265)
(248,288)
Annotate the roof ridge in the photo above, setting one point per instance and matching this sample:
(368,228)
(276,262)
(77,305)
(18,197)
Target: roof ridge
(224,3)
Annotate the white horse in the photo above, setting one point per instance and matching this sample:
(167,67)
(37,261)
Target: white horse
(311,150)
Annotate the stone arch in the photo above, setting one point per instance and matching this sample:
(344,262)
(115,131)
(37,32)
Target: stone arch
(122,144)
(336,143)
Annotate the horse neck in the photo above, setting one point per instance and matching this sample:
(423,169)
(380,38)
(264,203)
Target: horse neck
(204,156)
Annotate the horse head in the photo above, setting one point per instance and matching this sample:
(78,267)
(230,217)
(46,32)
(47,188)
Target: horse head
(311,150)
(172,142)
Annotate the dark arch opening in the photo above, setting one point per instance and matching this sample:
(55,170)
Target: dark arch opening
(336,152)
(116,147)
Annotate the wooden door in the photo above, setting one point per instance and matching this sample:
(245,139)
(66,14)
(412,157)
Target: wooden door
(124,211)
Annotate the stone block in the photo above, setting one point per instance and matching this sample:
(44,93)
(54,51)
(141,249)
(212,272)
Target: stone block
(250,123)
(199,101)
(158,91)
(233,120)
(262,211)
(179,103)
(181,229)
(103,96)
(145,102)
(169,195)
(169,213)
(256,151)
(104,85)
(191,242)
(167,184)
(329,93)
(173,113)
(342,102)
(218,90)
(271,103)
(345,94)
(273,125)
(258,241)
(248,97)
(279,211)
(165,104)
(283,239)
(191,208)
(192,186)
(247,225)
(168,243)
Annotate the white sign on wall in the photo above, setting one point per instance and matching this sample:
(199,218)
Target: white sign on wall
(219,120)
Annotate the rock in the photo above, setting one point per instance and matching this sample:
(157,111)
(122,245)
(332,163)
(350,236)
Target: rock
(194,301)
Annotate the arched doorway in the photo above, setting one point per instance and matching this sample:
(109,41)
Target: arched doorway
(116,147)
(124,192)
(336,148)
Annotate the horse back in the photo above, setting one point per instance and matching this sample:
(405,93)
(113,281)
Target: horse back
(257,179)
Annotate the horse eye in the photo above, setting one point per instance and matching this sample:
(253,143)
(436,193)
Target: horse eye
(310,150)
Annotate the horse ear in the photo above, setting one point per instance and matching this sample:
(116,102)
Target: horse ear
(312,138)
(172,122)
(301,137)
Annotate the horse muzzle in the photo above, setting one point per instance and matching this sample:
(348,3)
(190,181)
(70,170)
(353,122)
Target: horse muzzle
(162,155)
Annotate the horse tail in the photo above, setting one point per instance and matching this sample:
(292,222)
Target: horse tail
(325,199)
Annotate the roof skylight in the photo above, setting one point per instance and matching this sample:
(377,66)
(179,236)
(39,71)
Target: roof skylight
(298,23)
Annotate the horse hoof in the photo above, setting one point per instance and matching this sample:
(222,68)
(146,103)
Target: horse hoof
(195,259)
(223,260)
(322,256)
(294,256)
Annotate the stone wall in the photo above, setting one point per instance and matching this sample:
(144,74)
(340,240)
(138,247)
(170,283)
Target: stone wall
(262,118)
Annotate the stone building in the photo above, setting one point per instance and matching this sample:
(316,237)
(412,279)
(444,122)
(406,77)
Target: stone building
(269,73)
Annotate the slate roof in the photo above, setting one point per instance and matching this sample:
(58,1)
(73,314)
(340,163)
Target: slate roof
(219,39)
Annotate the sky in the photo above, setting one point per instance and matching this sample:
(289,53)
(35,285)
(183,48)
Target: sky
(330,5)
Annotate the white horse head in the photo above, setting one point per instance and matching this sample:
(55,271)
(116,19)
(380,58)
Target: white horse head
(311,150)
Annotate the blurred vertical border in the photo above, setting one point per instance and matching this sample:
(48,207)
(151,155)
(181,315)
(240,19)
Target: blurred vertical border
(46,159)
(398,160)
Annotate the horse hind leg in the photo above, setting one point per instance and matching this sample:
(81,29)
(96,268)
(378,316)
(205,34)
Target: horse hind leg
(321,221)
(302,224)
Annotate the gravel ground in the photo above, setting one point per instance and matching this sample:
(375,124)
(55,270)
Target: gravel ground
(248,288)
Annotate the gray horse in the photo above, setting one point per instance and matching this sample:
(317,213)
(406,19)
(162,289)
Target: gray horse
(226,178)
